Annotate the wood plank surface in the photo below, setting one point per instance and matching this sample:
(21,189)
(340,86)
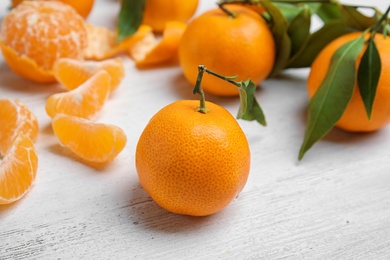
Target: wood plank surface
(334,204)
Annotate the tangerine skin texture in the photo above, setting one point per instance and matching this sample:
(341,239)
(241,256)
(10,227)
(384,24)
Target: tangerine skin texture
(192,163)
(355,117)
(242,46)
(158,12)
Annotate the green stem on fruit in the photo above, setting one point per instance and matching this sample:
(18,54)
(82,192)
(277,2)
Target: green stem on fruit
(227,11)
(198,86)
(382,22)
(198,90)
(249,107)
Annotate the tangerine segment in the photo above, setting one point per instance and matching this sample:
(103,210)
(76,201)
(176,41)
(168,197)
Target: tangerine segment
(193,163)
(355,117)
(242,45)
(84,101)
(102,42)
(92,142)
(18,169)
(151,52)
(15,119)
(72,73)
(42,31)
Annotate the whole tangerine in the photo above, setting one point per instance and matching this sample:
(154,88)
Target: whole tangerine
(190,162)
(240,45)
(355,117)
(158,12)
(83,7)
(37,33)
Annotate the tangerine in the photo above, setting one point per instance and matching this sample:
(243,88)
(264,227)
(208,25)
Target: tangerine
(37,33)
(242,45)
(83,8)
(355,117)
(158,12)
(18,158)
(190,162)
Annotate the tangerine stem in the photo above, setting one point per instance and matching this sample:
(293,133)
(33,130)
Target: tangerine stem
(381,23)
(198,90)
(227,11)
(229,79)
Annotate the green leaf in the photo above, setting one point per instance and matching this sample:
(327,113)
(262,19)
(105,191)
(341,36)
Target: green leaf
(130,18)
(289,11)
(316,42)
(278,27)
(368,75)
(332,97)
(353,18)
(328,12)
(314,7)
(250,109)
(299,29)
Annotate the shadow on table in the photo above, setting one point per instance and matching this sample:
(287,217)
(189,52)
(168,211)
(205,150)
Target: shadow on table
(14,82)
(148,215)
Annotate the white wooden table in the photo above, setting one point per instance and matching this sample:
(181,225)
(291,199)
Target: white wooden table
(335,204)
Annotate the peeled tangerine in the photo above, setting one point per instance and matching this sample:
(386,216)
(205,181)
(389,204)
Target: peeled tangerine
(92,142)
(36,33)
(18,158)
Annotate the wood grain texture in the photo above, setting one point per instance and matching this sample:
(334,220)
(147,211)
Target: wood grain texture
(334,204)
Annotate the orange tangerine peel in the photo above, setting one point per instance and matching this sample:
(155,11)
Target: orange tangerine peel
(26,67)
(72,73)
(150,51)
(102,42)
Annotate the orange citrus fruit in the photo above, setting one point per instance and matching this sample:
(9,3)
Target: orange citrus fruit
(72,73)
(18,158)
(18,168)
(36,33)
(193,163)
(84,101)
(83,7)
(158,12)
(15,119)
(355,117)
(151,51)
(92,142)
(242,45)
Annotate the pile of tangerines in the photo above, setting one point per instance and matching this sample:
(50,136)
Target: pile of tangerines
(199,163)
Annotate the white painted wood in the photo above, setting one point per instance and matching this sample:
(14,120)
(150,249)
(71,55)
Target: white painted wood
(332,205)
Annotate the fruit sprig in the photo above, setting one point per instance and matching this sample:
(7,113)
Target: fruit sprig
(335,92)
(290,23)
(249,110)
